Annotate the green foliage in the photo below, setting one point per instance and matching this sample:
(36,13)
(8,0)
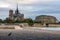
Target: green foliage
(1,20)
(37,22)
(6,20)
(28,20)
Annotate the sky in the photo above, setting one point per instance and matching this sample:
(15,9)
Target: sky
(31,8)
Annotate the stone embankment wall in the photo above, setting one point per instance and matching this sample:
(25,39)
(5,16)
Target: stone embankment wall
(9,26)
(18,24)
(34,25)
(44,25)
(54,25)
(38,25)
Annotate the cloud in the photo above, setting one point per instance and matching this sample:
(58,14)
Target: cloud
(31,1)
(4,5)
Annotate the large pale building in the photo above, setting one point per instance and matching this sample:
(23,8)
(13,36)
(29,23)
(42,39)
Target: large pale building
(15,16)
(46,19)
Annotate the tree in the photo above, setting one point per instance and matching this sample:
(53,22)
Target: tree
(37,22)
(1,20)
(29,21)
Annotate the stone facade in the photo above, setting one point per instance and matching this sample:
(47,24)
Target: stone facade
(10,14)
(46,19)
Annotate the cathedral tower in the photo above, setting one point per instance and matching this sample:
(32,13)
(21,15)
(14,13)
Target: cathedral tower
(10,14)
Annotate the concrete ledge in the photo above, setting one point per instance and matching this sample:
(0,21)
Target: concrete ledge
(7,28)
(10,27)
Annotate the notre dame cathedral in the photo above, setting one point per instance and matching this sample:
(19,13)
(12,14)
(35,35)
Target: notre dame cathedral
(15,16)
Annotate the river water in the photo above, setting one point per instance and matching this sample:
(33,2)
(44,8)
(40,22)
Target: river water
(44,28)
(57,28)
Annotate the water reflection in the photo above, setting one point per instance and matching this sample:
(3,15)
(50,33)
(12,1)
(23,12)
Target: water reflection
(46,28)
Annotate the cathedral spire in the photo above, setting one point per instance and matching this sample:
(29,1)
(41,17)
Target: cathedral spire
(17,11)
(17,6)
(17,15)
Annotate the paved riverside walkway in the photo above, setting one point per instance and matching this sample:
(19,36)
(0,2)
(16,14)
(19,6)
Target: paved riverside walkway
(29,34)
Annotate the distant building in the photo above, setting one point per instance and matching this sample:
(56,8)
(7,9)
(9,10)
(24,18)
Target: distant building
(15,16)
(10,14)
(46,19)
